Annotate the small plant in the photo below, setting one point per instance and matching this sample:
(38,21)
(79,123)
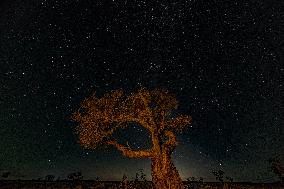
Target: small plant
(124,182)
(138,182)
(5,175)
(142,175)
(97,179)
(192,179)
(194,182)
(75,176)
(230,179)
(219,175)
(49,177)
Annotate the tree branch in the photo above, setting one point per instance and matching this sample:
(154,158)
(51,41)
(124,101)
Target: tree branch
(172,140)
(113,129)
(131,153)
(150,114)
(179,123)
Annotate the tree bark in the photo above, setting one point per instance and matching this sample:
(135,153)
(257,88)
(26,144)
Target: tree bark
(128,152)
(164,173)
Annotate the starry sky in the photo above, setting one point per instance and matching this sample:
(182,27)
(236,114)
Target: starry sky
(222,60)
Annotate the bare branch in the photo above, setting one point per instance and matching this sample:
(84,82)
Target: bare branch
(146,101)
(98,118)
(127,151)
(179,123)
(172,140)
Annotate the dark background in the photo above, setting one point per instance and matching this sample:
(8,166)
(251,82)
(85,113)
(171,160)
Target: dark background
(222,59)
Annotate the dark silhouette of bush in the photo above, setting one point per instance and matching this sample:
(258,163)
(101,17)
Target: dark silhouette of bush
(124,182)
(76,176)
(5,175)
(191,179)
(276,167)
(141,175)
(219,175)
(230,179)
(140,180)
(49,177)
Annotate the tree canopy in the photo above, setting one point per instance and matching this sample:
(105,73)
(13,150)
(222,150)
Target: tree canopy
(99,118)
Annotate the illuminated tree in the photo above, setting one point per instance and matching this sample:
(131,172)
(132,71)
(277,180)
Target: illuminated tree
(99,118)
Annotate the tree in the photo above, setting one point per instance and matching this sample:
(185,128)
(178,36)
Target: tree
(99,118)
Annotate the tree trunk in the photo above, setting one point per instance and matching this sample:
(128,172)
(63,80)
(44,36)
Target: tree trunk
(164,173)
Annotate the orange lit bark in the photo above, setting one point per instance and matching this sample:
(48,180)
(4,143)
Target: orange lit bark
(164,173)
(99,118)
(128,152)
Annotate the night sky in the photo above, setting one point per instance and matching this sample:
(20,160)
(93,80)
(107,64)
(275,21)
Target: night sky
(222,59)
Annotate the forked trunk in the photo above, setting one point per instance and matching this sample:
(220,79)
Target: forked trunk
(164,173)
